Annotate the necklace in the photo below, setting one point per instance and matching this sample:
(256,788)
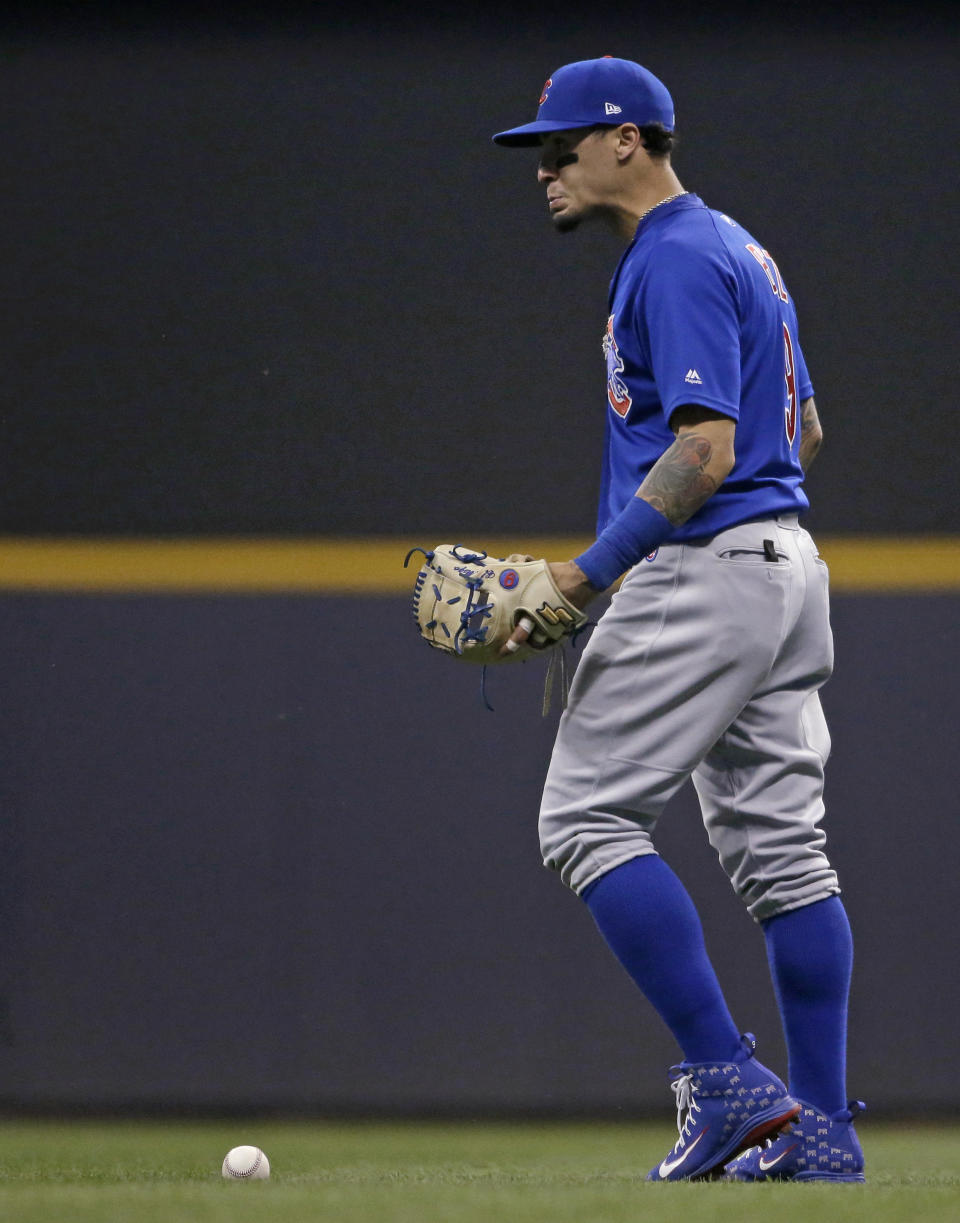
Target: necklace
(660,204)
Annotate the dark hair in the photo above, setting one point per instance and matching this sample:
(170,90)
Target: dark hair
(657,140)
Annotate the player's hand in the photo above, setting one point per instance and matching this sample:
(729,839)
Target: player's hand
(571,581)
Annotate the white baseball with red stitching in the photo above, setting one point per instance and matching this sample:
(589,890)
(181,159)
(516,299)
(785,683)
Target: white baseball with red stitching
(246,1164)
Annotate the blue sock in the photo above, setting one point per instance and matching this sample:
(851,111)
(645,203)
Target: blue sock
(811,957)
(652,927)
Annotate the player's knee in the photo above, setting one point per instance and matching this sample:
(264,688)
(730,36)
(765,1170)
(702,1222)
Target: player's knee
(791,887)
(561,847)
(581,847)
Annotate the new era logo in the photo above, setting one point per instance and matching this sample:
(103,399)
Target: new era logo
(612,108)
(693,377)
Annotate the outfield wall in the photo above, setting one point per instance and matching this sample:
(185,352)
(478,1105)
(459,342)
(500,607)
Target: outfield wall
(233,304)
(263,268)
(270,851)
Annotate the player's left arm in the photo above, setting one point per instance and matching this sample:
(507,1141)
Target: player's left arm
(690,300)
(688,473)
(811,433)
(685,476)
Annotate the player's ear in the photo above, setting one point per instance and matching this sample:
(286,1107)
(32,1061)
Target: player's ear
(627,140)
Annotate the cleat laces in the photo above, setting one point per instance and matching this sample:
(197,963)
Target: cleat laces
(682,1089)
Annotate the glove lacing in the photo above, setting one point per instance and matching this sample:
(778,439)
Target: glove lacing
(557,667)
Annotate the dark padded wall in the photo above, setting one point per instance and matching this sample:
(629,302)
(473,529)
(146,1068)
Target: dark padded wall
(241,866)
(257,268)
(256,262)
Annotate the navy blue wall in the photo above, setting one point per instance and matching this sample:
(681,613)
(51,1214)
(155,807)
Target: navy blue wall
(254,263)
(248,860)
(261,268)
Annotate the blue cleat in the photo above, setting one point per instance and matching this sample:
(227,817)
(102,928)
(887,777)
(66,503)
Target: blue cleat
(815,1148)
(722,1109)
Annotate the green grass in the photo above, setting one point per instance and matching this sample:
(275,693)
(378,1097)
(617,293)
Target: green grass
(437,1173)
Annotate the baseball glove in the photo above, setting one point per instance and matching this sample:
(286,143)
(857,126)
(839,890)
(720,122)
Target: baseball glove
(468,603)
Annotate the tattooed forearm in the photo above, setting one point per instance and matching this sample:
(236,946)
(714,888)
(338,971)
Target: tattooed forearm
(811,435)
(680,482)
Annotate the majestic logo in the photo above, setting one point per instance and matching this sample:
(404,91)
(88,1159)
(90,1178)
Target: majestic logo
(611,108)
(617,394)
(693,378)
(545,91)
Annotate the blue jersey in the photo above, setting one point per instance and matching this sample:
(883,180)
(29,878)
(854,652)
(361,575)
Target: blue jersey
(699,315)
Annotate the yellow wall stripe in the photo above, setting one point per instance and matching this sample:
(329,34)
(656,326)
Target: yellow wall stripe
(923,564)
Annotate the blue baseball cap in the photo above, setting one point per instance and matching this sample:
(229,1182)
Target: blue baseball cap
(595,91)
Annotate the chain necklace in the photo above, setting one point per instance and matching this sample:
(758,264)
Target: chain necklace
(660,204)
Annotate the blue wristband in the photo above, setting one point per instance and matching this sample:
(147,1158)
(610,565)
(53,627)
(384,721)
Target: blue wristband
(633,534)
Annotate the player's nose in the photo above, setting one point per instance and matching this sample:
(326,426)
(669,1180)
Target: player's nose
(545,173)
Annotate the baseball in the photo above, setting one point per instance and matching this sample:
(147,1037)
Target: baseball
(246,1164)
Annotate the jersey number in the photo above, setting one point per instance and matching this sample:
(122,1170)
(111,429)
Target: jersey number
(790,376)
(772,273)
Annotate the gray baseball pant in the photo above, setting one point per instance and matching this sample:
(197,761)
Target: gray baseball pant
(707,664)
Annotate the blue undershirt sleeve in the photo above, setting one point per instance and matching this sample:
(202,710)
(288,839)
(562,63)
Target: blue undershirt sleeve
(636,532)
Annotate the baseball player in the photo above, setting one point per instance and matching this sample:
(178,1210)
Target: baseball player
(708,661)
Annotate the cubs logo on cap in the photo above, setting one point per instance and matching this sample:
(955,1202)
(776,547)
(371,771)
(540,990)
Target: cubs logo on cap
(595,91)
